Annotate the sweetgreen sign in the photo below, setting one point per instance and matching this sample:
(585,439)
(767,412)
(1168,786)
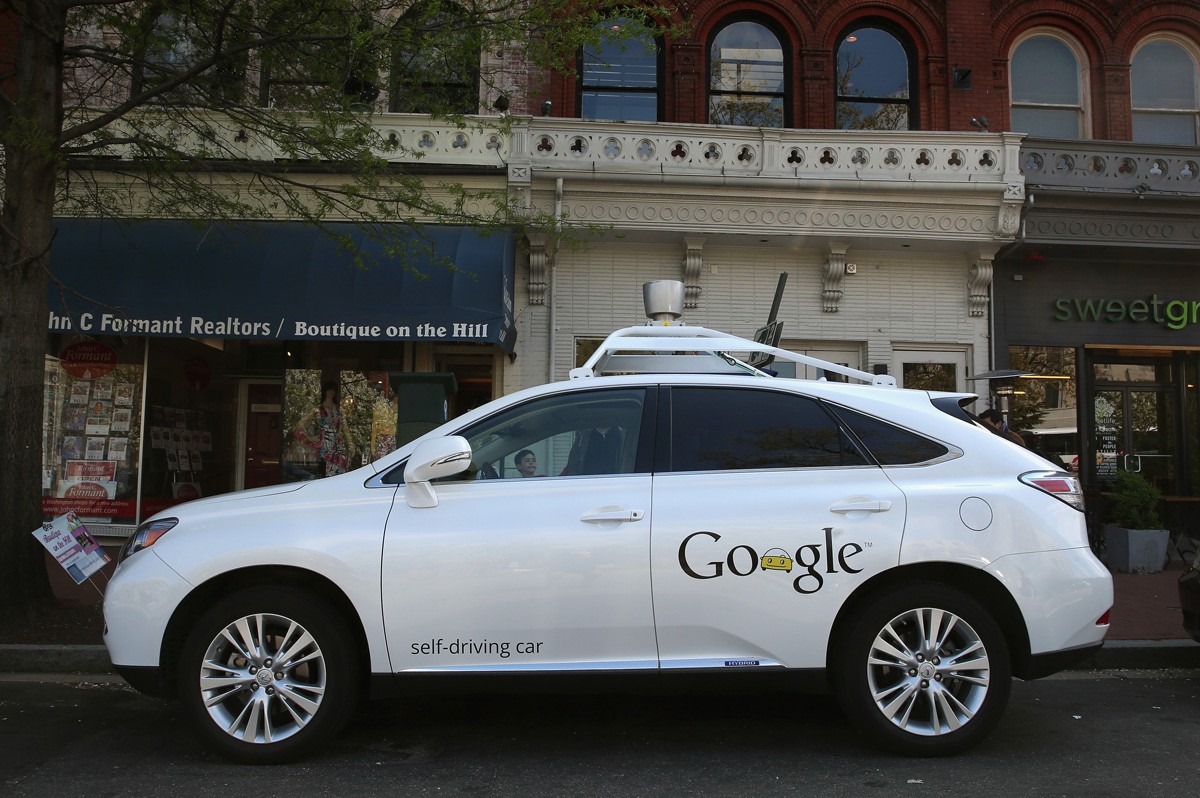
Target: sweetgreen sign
(1175,314)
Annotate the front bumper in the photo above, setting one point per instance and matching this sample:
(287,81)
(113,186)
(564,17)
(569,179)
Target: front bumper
(138,604)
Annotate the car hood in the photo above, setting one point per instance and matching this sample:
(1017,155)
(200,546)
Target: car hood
(227,498)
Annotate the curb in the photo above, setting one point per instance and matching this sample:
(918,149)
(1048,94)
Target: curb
(54,659)
(1137,654)
(1116,655)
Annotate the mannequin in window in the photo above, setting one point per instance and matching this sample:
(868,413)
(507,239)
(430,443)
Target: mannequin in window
(322,431)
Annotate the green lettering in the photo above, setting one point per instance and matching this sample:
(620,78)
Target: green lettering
(1177,314)
(1116,310)
(1157,303)
(1064,310)
(1089,309)
(1138,310)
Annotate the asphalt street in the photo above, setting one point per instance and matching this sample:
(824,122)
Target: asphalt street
(1102,733)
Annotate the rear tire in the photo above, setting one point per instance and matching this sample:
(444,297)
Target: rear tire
(923,670)
(268,674)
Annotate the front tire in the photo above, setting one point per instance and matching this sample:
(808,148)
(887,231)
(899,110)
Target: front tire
(923,670)
(267,674)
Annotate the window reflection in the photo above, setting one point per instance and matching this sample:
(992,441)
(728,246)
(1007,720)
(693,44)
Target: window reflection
(1046,88)
(715,429)
(1043,405)
(1163,88)
(746,77)
(619,75)
(435,66)
(872,82)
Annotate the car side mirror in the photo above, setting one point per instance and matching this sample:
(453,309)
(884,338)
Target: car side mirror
(434,459)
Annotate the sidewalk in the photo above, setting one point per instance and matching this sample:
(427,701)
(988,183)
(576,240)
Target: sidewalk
(1146,631)
(1146,627)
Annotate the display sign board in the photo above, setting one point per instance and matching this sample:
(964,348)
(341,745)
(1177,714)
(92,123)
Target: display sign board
(72,546)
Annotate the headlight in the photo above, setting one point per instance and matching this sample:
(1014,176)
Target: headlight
(146,536)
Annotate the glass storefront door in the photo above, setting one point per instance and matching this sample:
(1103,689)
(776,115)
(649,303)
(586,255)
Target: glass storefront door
(1135,421)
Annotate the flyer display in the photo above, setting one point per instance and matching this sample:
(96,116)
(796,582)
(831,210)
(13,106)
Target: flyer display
(72,546)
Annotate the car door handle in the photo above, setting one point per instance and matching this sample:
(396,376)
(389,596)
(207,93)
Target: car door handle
(861,507)
(603,514)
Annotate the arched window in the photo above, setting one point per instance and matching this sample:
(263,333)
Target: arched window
(1047,87)
(435,67)
(747,77)
(618,76)
(338,65)
(169,43)
(874,76)
(1163,87)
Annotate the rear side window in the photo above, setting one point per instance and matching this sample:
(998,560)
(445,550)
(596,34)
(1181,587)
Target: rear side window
(888,444)
(717,429)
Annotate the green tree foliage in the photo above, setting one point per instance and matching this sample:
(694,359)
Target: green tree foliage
(231,109)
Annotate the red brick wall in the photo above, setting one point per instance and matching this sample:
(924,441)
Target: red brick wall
(947,35)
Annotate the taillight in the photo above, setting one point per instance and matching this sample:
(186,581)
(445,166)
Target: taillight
(1103,620)
(1058,484)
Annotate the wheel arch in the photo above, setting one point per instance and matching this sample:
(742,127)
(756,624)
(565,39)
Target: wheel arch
(979,585)
(207,593)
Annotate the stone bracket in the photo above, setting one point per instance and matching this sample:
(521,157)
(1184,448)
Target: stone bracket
(979,282)
(832,275)
(538,259)
(693,262)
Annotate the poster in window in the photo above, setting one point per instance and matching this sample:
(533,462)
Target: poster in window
(80,392)
(118,449)
(72,448)
(172,460)
(99,417)
(197,461)
(121,419)
(74,418)
(123,394)
(185,462)
(102,389)
(95,448)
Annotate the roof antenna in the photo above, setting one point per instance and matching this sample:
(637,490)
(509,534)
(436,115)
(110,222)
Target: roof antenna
(663,300)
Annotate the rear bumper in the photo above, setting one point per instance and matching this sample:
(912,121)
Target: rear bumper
(1040,665)
(1061,595)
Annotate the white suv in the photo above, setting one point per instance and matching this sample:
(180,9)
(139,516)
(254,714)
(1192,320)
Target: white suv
(668,511)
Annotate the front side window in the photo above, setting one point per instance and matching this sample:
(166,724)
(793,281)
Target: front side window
(747,72)
(586,433)
(1163,82)
(618,76)
(873,82)
(1047,89)
(719,429)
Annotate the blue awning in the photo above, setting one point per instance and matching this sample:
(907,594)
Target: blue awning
(279,280)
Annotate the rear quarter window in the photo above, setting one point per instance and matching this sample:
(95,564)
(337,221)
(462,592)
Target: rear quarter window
(887,443)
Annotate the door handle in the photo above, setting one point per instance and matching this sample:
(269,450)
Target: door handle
(609,514)
(861,507)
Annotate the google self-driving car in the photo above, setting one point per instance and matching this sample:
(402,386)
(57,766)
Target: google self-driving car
(694,515)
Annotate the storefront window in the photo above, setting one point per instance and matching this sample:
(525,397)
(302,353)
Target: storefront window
(1044,403)
(93,419)
(191,423)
